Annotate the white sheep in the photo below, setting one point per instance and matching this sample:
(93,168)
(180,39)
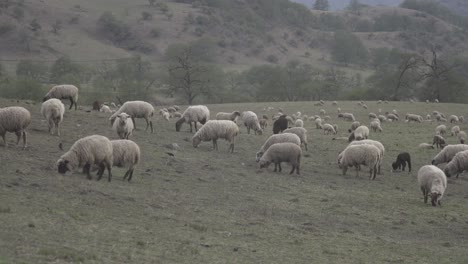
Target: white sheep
(277,138)
(299,123)
(53,110)
(318,123)
(432,182)
(455,130)
(372,116)
(136,109)
(362,132)
(105,109)
(426,146)
(263,123)
(347,117)
(322,112)
(354,125)
(228,116)
(458,164)
(382,118)
(250,120)
(375,143)
(392,117)
(86,152)
(329,129)
(126,154)
(14,119)
(462,137)
(375,126)
(63,91)
(300,132)
(414,118)
(215,129)
(356,155)
(447,153)
(282,152)
(334,103)
(441,130)
(453,119)
(123,125)
(194,114)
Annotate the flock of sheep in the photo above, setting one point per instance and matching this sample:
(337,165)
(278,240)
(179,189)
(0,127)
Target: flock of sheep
(285,145)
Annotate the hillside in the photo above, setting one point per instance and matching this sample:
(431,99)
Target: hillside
(340,4)
(457,6)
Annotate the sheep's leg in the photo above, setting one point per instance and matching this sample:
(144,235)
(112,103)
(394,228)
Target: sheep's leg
(147,124)
(190,127)
(101,171)
(425,194)
(86,170)
(214,145)
(18,137)
(276,167)
(134,124)
(305,144)
(131,175)
(403,166)
(151,125)
(279,166)
(4,140)
(25,139)
(57,129)
(231,147)
(71,103)
(196,127)
(109,170)
(409,165)
(127,173)
(344,170)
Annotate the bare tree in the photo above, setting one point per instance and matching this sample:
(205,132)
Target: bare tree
(409,62)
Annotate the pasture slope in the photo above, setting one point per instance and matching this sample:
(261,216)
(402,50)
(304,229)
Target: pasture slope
(203,206)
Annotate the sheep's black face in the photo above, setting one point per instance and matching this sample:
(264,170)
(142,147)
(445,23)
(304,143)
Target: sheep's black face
(432,162)
(45,99)
(264,164)
(394,165)
(447,173)
(178,124)
(63,166)
(435,198)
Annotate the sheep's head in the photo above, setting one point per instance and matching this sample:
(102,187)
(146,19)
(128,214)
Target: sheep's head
(259,156)
(178,124)
(259,131)
(264,163)
(196,140)
(435,198)
(433,162)
(394,165)
(63,166)
(123,118)
(112,119)
(47,97)
(436,192)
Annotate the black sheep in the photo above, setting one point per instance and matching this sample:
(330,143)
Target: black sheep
(280,124)
(401,161)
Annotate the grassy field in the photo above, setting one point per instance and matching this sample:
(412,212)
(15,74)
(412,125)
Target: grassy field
(203,206)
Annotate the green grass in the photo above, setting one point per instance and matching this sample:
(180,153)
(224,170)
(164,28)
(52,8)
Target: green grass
(203,206)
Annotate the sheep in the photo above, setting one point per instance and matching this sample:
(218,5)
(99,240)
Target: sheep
(461,119)
(453,119)
(392,117)
(136,109)
(280,124)
(354,125)
(433,183)
(414,118)
(428,117)
(53,110)
(436,100)
(85,152)
(455,130)
(375,143)
(364,106)
(176,107)
(318,123)
(177,114)
(105,109)
(382,118)
(348,117)
(171,109)
(165,115)
(126,154)
(356,155)
(338,110)
(322,112)
(228,116)
(362,132)
(300,132)
(401,161)
(334,103)
(123,125)
(372,116)
(290,120)
(395,113)
(250,120)
(329,129)
(299,123)
(263,123)
(15,119)
(278,138)
(462,137)
(439,141)
(96,105)
(426,146)
(386,102)
(447,153)
(282,152)
(458,164)
(63,91)
(375,126)
(215,129)
(194,114)
(441,130)
(379,102)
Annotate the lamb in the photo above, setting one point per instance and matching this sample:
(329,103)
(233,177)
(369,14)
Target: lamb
(329,129)
(126,154)
(441,130)
(453,119)
(280,124)
(105,109)
(439,141)
(136,109)
(88,151)
(455,130)
(356,155)
(300,132)
(63,91)
(426,146)
(123,125)
(362,132)
(299,123)
(228,116)
(15,119)
(458,164)
(414,118)
(447,153)
(372,116)
(194,114)
(401,161)
(282,152)
(433,183)
(278,138)
(318,123)
(354,125)
(375,143)
(251,122)
(263,123)
(462,137)
(215,129)
(53,110)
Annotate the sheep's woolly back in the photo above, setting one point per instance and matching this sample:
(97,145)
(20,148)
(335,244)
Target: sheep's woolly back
(278,138)
(300,132)
(375,125)
(63,91)
(14,119)
(299,123)
(364,154)
(453,119)
(280,152)
(414,118)
(441,130)
(251,120)
(348,117)
(432,179)
(214,129)
(126,153)
(93,150)
(328,129)
(426,146)
(227,116)
(375,143)
(447,153)
(362,132)
(53,110)
(136,109)
(458,164)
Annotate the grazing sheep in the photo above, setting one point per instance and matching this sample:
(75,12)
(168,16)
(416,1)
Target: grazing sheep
(379,102)
(250,120)
(15,119)
(348,117)
(123,125)
(433,183)
(228,116)
(364,106)
(453,119)
(455,130)
(126,154)
(105,109)
(338,110)
(53,110)
(300,132)
(375,126)
(329,129)
(392,117)
(290,120)
(299,123)
(441,130)
(354,125)
(375,143)
(215,129)
(462,137)
(382,118)
(436,100)
(439,141)
(194,114)
(428,117)
(177,114)
(356,155)
(166,115)
(458,164)
(96,105)
(372,116)
(86,152)
(278,138)
(322,112)
(426,146)
(282,152)
(334,103)
(318,123)
(136,109)
(176,107)
(401,161)
(63,91)
(447,153)
(461,119)
(362,132)
(280,124)
(414,118)
(263,123)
